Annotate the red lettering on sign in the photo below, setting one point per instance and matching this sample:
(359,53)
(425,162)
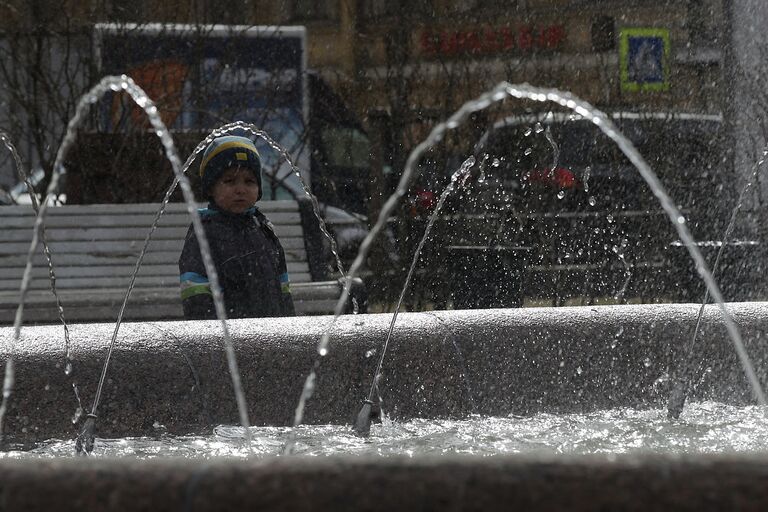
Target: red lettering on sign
(525,39)
(461,41)
(507,38)
(428,43)
(491,40)
(552,37)
(473,42)
(448,44)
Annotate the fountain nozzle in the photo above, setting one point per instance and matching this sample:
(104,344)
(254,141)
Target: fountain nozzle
(676,401)
(362,425)
(87,436)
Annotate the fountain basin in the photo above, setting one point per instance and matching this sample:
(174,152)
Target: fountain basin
(336,483)
(173,375)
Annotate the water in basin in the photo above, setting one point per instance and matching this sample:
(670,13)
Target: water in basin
(704,427)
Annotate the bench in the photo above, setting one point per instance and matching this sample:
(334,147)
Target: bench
(95,248)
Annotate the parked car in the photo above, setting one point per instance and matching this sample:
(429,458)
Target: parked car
(555,212)
(18,194)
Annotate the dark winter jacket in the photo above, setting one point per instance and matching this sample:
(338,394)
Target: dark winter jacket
(250,264)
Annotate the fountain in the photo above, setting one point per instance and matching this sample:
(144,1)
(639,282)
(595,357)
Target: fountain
(166,379)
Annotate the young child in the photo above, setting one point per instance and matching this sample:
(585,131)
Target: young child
(249,259)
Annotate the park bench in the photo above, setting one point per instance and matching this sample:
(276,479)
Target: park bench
(95,248)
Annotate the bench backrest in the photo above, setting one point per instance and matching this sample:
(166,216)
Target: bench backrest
(95,247)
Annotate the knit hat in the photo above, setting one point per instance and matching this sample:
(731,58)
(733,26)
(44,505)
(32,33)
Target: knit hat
(226,152)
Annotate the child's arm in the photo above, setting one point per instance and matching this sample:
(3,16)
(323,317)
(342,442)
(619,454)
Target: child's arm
(196,296)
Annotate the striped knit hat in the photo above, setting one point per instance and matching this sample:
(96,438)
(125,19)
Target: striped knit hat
(226,152)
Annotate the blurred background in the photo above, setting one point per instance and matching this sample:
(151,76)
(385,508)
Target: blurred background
(552,212)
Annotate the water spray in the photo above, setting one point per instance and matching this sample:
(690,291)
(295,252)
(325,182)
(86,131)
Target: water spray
(362,425)
(501,92)
(682,383)
(87,436)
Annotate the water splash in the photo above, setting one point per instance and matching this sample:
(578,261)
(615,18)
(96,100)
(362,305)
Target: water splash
(555,149)
(127,85)
(218,132)
(506,90)
(681,385)
(706,427)
(619,251)
(458,178)
(585,180)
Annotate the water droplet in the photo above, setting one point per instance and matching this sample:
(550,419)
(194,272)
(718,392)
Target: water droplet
(647,362)
(592,201)
(585,179)
(370,352)
(579,370)
(68,368)
(681,220)
(561,194)
(77,415)
(539,128)
(323,351)
(496,162)
(528,151)
(528,132)
(609,218)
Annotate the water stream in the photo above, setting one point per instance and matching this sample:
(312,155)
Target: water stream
(459,178)
(711,430)
(682,383)
(502,92)
(127,85)
(24,177)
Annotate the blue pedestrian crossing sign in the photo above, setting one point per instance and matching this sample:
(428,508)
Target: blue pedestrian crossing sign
(644,59)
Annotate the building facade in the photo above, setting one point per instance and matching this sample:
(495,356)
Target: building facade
(403,65)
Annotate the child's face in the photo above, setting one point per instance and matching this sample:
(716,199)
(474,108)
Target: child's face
(236,190)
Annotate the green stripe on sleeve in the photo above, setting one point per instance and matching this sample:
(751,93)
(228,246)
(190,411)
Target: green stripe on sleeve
(191,291)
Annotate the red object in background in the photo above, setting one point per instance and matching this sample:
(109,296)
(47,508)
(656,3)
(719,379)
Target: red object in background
(559,177)
(163,80)
(426,200)
(490,39)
